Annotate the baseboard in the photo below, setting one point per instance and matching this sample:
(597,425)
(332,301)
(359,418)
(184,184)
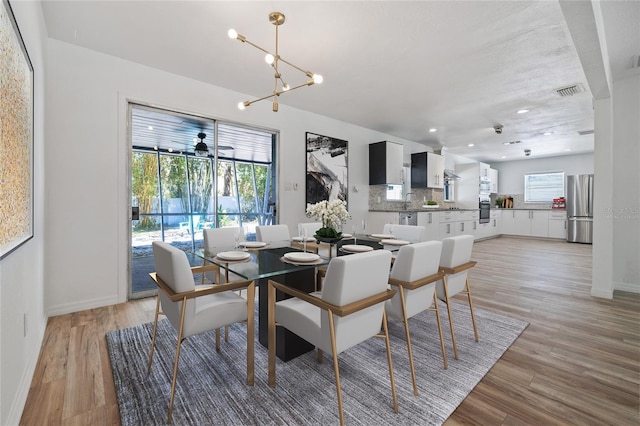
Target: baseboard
(17,407)
(629,287)
(604,294)
(85,304)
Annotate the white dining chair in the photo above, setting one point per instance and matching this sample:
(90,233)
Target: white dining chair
(414,275)
(410,233)
(455,262)
(195,309)
(269,233)
(349,310)
(225,238)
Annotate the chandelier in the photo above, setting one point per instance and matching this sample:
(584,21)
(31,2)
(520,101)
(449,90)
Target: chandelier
(277,19)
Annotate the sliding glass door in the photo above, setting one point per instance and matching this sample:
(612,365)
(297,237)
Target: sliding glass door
(175,194)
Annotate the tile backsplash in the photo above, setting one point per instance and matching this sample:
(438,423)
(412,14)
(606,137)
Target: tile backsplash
(518,202)
(418,197)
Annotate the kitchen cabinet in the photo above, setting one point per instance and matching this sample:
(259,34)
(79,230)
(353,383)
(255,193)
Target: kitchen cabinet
(427,170)
(484,170)
(530,223)
(447,225)
(468,187)
(493,175)
(558,224)
(431,223)
(377,220)
(467,222)
(385,163)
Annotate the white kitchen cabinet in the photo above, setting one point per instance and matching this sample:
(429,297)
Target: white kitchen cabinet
(467,222)
(495,223)
(385,163)
(377,220)
(484,170)
(431,223)
(493,175)
(448,224)
(427,170)
(558,224)
(530,223)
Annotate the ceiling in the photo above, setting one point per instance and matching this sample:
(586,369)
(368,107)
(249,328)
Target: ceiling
(399,67)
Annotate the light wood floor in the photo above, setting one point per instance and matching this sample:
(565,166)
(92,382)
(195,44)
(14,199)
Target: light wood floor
(578,362)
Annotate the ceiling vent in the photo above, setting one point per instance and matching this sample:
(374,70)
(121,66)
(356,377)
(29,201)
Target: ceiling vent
(570,90)
(585,132)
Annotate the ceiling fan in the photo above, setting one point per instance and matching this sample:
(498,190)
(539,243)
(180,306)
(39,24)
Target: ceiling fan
(202,150)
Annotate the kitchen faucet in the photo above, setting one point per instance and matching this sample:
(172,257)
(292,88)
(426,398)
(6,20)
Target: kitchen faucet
(405,199)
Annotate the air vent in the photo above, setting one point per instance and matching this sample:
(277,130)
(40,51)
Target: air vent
(570,90)
(585,132)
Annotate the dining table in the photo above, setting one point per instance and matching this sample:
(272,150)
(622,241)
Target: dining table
(258,261)
(276,260)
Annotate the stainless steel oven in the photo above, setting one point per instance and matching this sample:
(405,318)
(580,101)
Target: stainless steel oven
(485,209)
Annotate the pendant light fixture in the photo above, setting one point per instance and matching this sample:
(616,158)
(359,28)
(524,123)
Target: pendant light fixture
(277,19)
(202,150)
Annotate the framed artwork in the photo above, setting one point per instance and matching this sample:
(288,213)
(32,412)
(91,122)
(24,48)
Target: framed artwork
(327,169)
(16,136)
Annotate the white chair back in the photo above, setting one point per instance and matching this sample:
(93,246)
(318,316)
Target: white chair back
(270,233)
(349,279)
(413,262)
(310,228)
(455,251)
(411,233)
(172,266)
(221,237)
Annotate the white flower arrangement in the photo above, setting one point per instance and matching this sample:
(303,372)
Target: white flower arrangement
(332,214)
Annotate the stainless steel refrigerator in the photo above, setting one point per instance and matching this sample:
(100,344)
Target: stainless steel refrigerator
(580,208)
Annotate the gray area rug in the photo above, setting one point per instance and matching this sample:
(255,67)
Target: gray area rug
(211,387)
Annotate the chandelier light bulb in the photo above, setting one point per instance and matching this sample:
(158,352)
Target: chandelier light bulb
(232,33)
(317,79)
(285,87)
(241,105)
(269,59)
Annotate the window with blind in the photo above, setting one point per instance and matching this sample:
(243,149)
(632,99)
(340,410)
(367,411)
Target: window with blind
(543,187)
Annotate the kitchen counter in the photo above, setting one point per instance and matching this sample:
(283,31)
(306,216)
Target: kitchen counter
(440,209)
(549,209)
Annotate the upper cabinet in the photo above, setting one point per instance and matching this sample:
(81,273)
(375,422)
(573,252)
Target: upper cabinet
(484,170)
(385,163)
(493,175)
(427,170)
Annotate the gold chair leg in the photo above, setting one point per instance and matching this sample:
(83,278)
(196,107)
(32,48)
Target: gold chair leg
(444,351)
(453,334)
(405,320)
(393,381)
(473,317)
(250,334)
(271,345)
(153,336)
(175,364)
(336,369)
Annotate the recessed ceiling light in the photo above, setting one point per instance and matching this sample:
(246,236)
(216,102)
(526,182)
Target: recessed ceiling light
(155,147)
(522,111)
(504,156)
(150,127)
(568,149)
(432,130)
(506,143)
(170,150)
(471,144)
(547,133)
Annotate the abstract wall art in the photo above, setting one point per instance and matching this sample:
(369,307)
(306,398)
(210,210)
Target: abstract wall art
(16,136)
(327,169)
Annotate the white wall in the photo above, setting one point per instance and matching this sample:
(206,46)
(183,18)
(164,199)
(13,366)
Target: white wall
(625,211)
(511,173)
(87,169)
(21,273)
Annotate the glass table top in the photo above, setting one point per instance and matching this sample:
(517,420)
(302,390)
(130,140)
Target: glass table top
(263,262)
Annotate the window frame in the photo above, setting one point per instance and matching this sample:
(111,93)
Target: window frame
(560,190)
